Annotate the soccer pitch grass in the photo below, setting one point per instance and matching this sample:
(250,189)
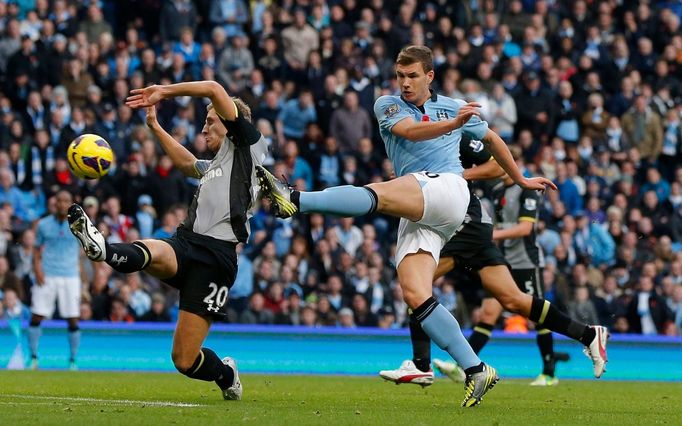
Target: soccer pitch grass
(96,398)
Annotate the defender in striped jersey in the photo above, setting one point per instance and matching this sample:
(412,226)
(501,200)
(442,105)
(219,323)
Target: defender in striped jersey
(200,259)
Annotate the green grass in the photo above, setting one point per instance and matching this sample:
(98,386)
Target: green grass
(49,397)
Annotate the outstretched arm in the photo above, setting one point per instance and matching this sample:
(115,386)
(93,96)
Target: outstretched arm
(417,131)
(485,171)
(183,160)
(148,96)
(500,151)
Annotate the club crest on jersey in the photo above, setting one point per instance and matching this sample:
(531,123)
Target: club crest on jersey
(211,174)
(441,115)
(530,204)
(392,110)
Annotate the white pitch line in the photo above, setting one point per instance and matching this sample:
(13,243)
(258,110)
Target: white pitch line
(105,401)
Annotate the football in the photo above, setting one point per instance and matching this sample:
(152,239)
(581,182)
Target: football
(90,156)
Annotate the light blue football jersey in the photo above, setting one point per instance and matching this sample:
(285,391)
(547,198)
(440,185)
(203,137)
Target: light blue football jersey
(437,155)
(61,250)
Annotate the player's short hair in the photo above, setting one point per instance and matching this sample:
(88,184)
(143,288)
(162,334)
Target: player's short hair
(413,54)
(242,108)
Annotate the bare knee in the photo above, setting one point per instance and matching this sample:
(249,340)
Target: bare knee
(414,297)
(514,302)
(182,361)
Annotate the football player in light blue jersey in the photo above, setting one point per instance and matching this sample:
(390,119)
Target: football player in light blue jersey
(57,278)
(439,154)
(421,131)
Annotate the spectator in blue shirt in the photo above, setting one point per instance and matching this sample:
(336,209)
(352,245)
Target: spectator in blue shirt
(295,116)
(187,47)
(568,192)
(169,222)
(655,183)
(9,193)
(296,167)
(230,14)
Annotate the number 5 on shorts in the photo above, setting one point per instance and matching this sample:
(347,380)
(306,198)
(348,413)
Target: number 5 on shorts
(216,297)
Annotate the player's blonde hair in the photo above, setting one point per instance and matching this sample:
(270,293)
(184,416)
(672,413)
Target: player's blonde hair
(242,108)
(413,54)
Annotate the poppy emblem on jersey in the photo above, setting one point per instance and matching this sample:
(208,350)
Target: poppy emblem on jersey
(392,110)
(530,204)
(441,115)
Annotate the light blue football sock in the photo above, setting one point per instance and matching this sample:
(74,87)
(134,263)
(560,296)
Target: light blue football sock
(344,201)
(74,343)
(444,329)
(34,333)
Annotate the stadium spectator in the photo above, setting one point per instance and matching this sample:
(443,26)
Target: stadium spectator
(174,16)
(235,64)
(119,311)
(642,126)
(295,116)
(582,307)
(298,40)
(648,312)
(158,311)
(231,15)
(350,123)
(256,312)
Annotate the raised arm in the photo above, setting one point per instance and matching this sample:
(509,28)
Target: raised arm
(417,131)
(183,160)
(393,116)
(148,96)
(500,151)
(485,171)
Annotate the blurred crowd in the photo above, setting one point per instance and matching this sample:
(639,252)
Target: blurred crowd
(589,93)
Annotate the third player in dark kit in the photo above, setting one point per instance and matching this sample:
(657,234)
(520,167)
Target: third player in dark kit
(200,259)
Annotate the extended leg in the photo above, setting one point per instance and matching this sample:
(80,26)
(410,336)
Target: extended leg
(200,363)
(497,280)
(401,197)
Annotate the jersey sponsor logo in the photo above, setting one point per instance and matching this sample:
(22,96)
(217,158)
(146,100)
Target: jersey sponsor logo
(118,260)
(476,146)
(211,174)
(530,204)
(392,110)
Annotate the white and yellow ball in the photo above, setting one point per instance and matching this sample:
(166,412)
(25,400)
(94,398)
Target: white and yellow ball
(89,156)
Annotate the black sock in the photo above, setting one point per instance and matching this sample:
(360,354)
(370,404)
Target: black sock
(210,368)
(475,369)
(296,199)
(480,336)
(421,346)
(545,314)
(127,258)
(545,343)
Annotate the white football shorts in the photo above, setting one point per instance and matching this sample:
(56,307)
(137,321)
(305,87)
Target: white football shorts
(64,290)
(446,198)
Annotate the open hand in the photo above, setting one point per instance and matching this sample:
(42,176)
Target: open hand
(537,183)
(146,97)
(466,112)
